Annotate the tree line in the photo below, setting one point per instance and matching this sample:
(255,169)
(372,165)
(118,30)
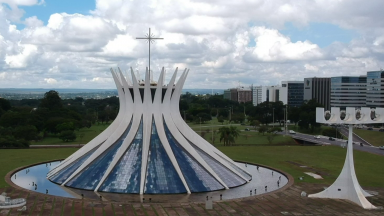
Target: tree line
(196,108)
(22,121)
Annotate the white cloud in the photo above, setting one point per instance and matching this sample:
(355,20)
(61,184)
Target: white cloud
(50,81)
(212,38)
(20,60)
(273,46)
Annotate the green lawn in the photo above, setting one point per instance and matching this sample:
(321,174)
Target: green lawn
(13,158)
(376,138)
(89,134)
(327,159)
(246,137)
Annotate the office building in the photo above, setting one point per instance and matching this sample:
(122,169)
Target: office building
(348,91)
(295,92)
(375,89)
(259,94)
(240,94)
(318,89)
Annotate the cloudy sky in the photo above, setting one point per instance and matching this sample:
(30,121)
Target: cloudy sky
(73,44)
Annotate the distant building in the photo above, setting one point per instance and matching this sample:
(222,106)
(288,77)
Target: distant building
(276,93)
(348,91)
(295,92)
(289,92)
(375,89)
(240,94)
(259,94)
(318,89)
(227,94)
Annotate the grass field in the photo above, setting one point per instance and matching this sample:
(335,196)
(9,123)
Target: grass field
(328,160)
(376,138)
(13,158)
(246,137)
(89,134)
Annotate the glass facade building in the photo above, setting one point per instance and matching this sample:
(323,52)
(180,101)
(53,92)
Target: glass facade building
(375,89)
(348,91)
(294,93)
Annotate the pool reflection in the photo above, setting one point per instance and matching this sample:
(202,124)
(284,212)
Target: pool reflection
(264,180)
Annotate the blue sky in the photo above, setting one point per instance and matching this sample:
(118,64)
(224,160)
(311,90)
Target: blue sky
(44,11)
(322,34)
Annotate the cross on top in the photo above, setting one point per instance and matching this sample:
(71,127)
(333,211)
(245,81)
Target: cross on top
(150,39)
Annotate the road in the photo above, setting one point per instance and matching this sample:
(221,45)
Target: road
(366,148)
(356,138)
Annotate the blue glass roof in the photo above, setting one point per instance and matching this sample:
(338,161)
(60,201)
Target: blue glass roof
(245,174)
(162,177)
(63,174)
(198,179)
(125,176)
(228,177)
(89,177)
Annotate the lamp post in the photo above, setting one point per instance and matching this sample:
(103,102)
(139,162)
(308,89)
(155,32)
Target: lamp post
(284,121)
(212,130)
(286,118)
(184,117)
(230,116)
(273,117)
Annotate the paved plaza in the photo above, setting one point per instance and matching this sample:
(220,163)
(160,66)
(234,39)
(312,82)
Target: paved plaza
(286,202)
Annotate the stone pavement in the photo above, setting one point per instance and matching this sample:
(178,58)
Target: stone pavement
(287,202)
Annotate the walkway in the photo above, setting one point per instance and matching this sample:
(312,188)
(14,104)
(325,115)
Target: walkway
(288,202)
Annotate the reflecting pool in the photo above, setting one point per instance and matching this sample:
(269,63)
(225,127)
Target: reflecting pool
(264,180)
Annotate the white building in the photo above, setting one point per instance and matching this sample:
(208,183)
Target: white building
(269,93)
(149,149)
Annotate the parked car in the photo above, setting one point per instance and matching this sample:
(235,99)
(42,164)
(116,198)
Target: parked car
(331,138)
(292,132)
(246,129)
(369,128)
(381,130)
(381,147)
(316,137)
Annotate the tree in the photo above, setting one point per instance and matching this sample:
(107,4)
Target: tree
(331,132)
(228,135)
(65,127)
(272,133)
(4,104)
(255,123)
(67,136)
(263,129)
(308,115)
(26,132)
(51,100)
(220,119)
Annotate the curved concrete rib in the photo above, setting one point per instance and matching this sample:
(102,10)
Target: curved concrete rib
(157,115)
(130,136)
(136,106)
(98,139)
(173,127)
(118,132)
(191,135)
